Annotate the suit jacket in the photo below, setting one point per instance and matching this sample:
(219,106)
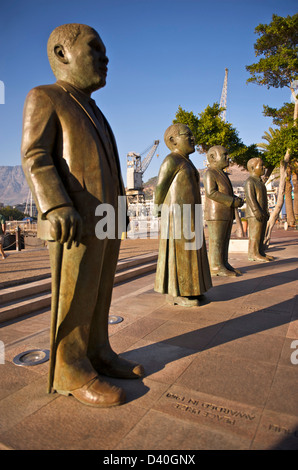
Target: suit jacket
(256,197)
(69,155)
(219,195)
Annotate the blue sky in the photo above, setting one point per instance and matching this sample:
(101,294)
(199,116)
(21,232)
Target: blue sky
(163,53)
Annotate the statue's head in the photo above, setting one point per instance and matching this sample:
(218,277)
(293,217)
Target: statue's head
(256,166)
(218,157)
(77,55)
(179,138)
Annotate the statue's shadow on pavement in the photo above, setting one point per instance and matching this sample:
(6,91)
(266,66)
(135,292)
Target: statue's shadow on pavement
(161,359)
(268,266)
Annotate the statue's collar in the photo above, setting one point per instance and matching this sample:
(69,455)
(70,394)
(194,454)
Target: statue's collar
(79,94)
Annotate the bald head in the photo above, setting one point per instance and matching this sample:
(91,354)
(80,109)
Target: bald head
(256,167)
(217,157)
(253,162)
(172,132)
(62,39)
(77,55)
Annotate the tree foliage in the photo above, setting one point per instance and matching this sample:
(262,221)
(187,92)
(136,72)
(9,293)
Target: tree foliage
(10,213)
(278,46)
(282,116)
(283,140)
(209,129)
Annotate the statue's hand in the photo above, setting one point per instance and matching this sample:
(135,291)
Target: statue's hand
(238,202)
(66,225)
(260,216)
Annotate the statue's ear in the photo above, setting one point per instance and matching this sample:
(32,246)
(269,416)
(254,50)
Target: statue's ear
(172,140)
(61,54)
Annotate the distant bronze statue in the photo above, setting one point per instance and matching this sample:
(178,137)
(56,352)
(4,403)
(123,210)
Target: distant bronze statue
(220,204)
(182,269)
(256,210)
(70,160)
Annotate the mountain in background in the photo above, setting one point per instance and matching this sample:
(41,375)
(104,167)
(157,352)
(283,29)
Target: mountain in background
(237,175)
(14,188)
(13,185)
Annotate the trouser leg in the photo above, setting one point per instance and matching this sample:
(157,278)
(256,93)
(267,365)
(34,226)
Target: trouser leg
(218,245)
(98,345)
(256,229)
(226,242)
(81,269)
(262,246)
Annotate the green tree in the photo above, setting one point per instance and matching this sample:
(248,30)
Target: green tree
(209,129)
(283,118)
(277,47)
(11,213)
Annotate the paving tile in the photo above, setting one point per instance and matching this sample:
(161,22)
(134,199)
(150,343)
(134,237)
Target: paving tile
(277,300)
(276,432)
(13,378)
(162,362)
(229,377)
(158,431)
(120,341)
(242,344)
(205,315)
(289,354)
(138,307)
(252,319)
(293,329)
(213,411)
(66,424)
(142,327)
(184,335)
(283,393)
(22,403)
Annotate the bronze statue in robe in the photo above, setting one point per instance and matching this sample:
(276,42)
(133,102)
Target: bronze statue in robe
(257,212)
(71,162)
(182,269)
(220,204)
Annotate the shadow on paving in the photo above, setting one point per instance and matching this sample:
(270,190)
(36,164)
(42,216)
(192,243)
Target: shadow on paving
(243,287)
(268,265)
(156,356)
(289,442)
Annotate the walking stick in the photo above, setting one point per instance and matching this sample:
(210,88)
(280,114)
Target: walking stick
(56,260)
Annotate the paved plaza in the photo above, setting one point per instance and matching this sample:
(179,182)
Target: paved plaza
(222,376)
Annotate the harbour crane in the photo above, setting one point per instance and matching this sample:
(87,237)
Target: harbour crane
(223,101)
(224,93)
(136,167)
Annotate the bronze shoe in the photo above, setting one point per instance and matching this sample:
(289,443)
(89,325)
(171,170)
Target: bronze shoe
(119,368)
(183,301)
(97,393)
(222,271)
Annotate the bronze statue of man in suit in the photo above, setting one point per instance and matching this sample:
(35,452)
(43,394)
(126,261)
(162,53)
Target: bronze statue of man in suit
(71,163)
(256,210)
(220,204)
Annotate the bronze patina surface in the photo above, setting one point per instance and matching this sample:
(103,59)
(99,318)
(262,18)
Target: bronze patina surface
(182,273)
(220,204)
(71,162)
(257,212)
